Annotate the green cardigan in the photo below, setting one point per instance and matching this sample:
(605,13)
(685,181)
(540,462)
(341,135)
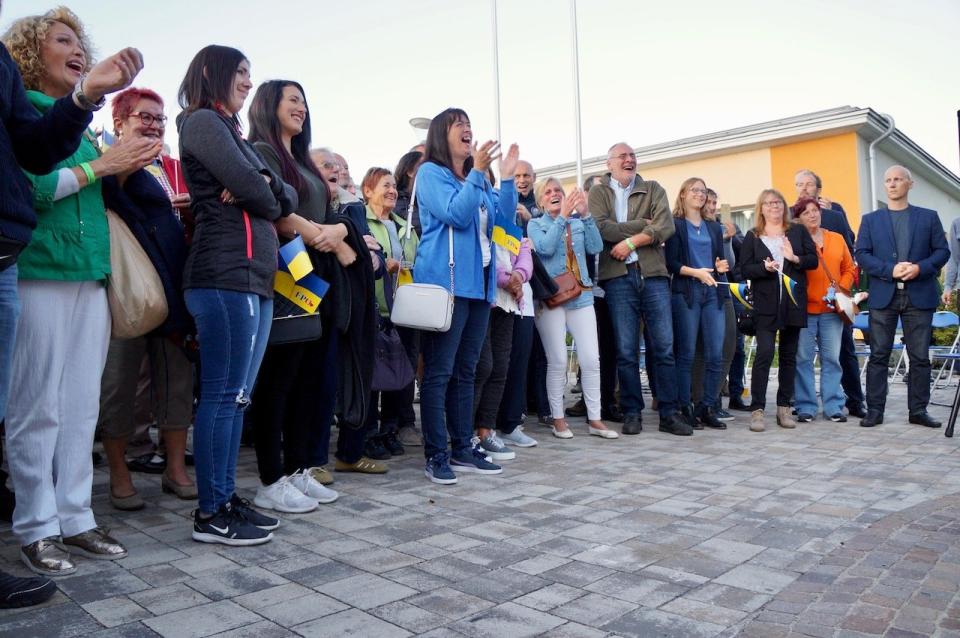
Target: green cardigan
(380,233)
(72,240)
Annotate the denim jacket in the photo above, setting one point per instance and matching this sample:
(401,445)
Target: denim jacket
(549,237)
(444,201)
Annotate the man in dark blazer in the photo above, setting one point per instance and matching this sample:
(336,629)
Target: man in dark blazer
(902,248)
(833,217)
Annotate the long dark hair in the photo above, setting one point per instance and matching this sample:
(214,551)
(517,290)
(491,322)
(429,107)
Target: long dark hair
(407,163)
(209,79)
(438,151)
(265,127)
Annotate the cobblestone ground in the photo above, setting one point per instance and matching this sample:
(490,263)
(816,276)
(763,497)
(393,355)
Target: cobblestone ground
(827,530)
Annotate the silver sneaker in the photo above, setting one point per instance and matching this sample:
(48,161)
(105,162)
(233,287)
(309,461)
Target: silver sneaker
(409,436)
(44,557)
(94,543)
(495,449)
(519,438)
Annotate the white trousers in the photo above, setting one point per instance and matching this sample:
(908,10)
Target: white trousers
(62,340)
(552,324)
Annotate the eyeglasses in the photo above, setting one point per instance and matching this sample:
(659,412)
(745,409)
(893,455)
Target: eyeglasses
(775,202)
(624,156)
(698,191)
(148,119)
(329,166)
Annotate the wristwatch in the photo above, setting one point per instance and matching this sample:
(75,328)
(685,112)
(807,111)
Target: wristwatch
(83,101)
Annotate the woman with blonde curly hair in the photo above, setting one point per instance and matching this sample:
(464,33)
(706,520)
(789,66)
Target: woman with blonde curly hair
(64,325)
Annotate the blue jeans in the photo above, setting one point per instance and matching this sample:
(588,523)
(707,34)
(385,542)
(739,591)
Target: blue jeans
(631,298)
(449,369)
(705,318)
(9,312)
(232,328)
(825,330)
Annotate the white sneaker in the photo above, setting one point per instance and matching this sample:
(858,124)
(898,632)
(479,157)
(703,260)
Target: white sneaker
(312,488)
(518,438)
(282,496)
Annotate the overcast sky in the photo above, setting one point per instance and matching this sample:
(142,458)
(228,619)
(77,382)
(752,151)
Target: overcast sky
(650,71)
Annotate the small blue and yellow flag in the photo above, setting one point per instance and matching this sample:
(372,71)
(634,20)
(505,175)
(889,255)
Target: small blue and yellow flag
(507,234)
(294,259)
(739,292)
(790,285)
(307,293)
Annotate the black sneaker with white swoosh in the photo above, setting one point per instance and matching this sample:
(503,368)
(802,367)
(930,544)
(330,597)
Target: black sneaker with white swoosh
(228,528)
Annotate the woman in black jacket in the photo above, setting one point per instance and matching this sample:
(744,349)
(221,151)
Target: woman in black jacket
(772,249)
(228,280)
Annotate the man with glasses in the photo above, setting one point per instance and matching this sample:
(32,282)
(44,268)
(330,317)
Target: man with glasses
(634,219)
(902,247)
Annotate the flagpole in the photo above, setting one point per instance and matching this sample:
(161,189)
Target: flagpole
(496,68)
(576,89)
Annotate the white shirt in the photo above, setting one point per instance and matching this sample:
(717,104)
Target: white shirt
(621,198)
(484,240)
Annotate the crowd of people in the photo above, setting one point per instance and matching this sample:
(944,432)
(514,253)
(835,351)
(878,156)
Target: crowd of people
(611,268)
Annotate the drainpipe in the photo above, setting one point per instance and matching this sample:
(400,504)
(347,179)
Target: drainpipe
(873,157)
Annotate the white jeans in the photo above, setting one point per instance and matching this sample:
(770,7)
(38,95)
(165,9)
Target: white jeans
(62,340)
(552,324)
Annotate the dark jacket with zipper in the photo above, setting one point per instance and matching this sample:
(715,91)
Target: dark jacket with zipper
(772,307)
(234,245)
(678,255)
(145,208)
(33,141)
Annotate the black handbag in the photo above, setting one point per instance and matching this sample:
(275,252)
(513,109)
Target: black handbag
(746,322)
(541,283)
(391,368)
(291,324)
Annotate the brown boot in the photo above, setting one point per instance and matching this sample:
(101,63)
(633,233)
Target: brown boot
(756,421)
(784,418)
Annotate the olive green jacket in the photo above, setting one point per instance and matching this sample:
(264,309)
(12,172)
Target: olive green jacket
(648,212)
(380,233)
(72,240)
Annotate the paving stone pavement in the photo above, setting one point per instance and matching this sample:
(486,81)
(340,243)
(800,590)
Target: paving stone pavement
(826,530)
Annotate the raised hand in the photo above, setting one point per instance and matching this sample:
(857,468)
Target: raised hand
(508,163)
(112,74)
(484,155)
(578,200)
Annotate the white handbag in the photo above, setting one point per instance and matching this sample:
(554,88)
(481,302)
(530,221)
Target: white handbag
(424,306)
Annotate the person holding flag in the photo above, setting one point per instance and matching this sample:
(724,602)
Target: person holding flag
(694,255)
(775,257)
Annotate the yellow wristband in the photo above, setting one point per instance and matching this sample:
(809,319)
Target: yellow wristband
(88,171)
(630,244)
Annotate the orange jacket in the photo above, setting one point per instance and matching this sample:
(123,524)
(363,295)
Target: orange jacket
(837,257)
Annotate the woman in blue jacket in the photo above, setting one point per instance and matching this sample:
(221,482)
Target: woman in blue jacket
(566,222)
(694,255)
(454,197)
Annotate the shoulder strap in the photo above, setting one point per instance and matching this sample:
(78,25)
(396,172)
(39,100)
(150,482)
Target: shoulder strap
(409,229)
(833,280)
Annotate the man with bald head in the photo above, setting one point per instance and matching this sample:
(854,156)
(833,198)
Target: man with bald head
(524,178)
(902,248)
(634,219)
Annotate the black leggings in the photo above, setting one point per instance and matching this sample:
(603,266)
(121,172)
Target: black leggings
(766,342)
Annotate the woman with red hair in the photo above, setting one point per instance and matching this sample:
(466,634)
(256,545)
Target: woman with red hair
(824,325)
(143,200)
